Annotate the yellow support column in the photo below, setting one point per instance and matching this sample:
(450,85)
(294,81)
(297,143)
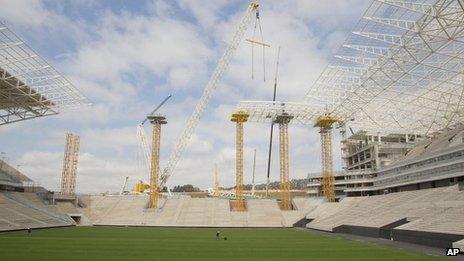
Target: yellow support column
(239,118)
(157,121)
(325,123)
(285,199)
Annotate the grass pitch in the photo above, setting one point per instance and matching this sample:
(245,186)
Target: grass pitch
(113,243)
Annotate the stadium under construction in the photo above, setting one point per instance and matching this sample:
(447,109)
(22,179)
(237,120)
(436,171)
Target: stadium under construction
(394,90)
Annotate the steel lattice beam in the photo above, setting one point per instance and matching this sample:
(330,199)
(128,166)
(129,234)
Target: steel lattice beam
(29,86)
(411,79)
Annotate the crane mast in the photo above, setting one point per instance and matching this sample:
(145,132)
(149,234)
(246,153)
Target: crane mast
(211,86)
(145,148)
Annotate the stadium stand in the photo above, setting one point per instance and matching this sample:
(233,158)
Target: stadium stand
(264,212)
(11,179)
(22,210)
(26,210)
(79,215)
(437,210)
(199,212)
(435,162)
(459,244)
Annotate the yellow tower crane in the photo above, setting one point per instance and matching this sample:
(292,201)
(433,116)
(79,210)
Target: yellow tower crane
(239,118)
(325,123)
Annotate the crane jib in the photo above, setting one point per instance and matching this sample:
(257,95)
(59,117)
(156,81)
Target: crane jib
(207,93)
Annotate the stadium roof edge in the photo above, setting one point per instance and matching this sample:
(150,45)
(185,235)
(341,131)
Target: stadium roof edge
(31,87)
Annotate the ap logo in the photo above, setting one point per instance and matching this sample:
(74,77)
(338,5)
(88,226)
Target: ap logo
(452,251)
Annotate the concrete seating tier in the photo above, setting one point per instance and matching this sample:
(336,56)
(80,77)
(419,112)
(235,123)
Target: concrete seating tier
(198,212)
(26,210)
(433,210)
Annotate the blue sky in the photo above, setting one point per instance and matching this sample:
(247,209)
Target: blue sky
(126,56)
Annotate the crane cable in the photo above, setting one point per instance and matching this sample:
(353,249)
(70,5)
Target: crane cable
(258,25)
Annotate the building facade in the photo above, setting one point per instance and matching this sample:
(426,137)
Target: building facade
(375,164)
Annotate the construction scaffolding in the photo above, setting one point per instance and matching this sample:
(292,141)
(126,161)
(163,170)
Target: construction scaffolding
(285,200)
(157,121)
(325,123)
(239,118)
(70,160)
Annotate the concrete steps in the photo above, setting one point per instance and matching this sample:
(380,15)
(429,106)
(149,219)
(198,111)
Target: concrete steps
(198,212)
(26,210)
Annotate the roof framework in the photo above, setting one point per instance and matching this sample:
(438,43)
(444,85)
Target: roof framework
(267,111)
(29,86)
(401,70)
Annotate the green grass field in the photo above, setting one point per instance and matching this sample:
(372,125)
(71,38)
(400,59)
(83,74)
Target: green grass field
(105,243)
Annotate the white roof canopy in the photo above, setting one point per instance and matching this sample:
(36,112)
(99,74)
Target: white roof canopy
(29,86)
(401,70)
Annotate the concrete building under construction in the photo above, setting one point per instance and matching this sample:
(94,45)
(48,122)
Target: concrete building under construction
(377,164)
(363,153)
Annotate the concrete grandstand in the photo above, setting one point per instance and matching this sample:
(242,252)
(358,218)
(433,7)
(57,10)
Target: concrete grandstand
(23,210)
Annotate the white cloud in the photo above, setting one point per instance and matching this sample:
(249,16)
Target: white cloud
(24,12)
(127,42)
(126,62)
(206,14)
(115,139)
(42,167)
(94,174)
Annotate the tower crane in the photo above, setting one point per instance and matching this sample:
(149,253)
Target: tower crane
(211,86)
(142,137)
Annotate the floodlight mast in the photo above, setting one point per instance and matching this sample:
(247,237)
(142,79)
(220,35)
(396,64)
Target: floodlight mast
(211,86)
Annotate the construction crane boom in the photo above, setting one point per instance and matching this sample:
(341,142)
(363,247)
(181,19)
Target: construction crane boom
(123,188)
(157,108)
(144,147)
(218,73)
